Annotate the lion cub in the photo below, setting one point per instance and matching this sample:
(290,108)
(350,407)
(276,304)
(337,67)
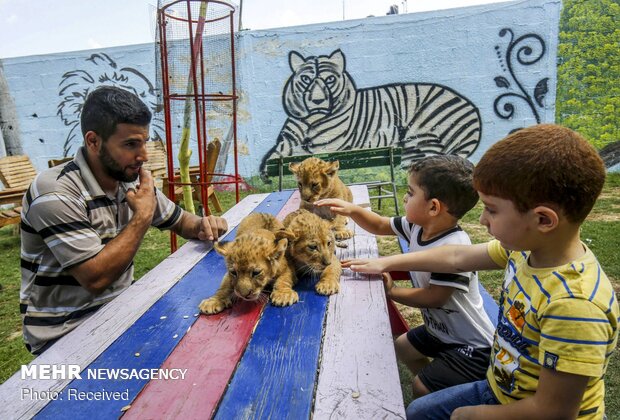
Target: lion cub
(255,259)
(318,179)
(311,250)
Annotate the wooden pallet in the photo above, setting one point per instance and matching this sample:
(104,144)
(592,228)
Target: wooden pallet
(10,216)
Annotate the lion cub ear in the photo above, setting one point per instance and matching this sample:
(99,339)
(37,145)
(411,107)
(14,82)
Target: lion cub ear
(332,167)
(279,249)
(285,233)
(222,248)
(293,167)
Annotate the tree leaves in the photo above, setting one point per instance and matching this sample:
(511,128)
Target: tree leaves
(588,94)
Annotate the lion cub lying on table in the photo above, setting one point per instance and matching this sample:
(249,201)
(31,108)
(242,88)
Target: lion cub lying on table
(318,179)
(266,253)
(255,259)
(311,250)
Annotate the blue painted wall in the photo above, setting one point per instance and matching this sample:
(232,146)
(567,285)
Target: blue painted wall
(465,50)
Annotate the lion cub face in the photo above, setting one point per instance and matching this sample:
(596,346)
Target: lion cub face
(312,248)
(315,178)
(252,260)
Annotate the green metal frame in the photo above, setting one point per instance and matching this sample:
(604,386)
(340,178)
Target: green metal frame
(350,159)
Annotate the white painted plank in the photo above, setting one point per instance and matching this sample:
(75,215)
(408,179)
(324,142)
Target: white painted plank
(360,195)
(358,377)
(91,338)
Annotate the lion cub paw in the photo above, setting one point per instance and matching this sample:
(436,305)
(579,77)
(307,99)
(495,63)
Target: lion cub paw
(213,305)
(327,287)
(284,298)
(342,234)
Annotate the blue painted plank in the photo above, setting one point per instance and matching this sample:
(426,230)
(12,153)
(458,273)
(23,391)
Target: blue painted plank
(149,341)
(275,378)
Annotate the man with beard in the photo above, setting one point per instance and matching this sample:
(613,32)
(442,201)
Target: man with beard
(83,222)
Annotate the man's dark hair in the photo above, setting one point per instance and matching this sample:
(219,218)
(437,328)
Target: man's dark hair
(108,106)
(448,178)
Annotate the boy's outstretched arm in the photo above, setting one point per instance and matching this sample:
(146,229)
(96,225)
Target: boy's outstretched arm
(367,220)
(443,259)
(558,396)
(432,296)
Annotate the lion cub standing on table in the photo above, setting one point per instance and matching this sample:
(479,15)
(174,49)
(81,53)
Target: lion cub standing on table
(255,259)
(318,179)
(311,250)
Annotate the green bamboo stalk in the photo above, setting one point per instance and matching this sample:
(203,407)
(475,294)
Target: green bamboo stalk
(185,153)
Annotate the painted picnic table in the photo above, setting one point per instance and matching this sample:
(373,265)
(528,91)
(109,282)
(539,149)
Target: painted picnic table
(324,357)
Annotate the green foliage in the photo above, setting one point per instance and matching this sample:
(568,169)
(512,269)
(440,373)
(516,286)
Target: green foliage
(588,93)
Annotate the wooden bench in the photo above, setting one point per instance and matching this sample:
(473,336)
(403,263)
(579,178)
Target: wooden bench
(16,173)
(157,158)
(399,324)
(10,216)
(350,159)
(157,164)
(58,161)
(323,357)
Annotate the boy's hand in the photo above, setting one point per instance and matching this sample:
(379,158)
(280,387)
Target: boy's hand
(337,206)
(388,284)
(462,413)
(372,266)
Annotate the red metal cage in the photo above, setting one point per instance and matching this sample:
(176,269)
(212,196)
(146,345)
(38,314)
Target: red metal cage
(197,74)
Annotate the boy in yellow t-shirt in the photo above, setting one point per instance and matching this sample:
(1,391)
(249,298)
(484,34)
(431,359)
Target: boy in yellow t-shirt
(558,312)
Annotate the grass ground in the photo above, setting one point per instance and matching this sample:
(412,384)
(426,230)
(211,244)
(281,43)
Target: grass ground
(601,232)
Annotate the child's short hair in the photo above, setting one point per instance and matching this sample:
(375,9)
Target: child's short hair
(447,178)
(543,165)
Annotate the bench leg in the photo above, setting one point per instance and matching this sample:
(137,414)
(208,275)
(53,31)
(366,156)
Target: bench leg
(216,202)
(397,322)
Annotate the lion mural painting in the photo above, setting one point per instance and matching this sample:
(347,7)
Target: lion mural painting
(101,69)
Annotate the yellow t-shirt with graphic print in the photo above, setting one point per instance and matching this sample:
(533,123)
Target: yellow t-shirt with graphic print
(563,318)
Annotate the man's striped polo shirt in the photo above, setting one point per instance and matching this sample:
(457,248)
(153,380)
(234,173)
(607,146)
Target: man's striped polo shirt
(67,219)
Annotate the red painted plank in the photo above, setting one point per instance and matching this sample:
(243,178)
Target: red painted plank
(210,352)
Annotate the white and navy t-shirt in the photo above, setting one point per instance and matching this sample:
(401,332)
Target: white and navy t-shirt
(462,320)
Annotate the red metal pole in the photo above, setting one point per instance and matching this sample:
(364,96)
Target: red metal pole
(167,113)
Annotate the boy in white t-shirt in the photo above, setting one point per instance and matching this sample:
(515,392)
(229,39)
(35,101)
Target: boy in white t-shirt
(457,333)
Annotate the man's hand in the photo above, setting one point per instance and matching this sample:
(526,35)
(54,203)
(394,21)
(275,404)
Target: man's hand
(211,228)
(372,266)
(141,201)
(336,205)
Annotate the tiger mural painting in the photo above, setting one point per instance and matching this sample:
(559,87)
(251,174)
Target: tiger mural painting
(326,112)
